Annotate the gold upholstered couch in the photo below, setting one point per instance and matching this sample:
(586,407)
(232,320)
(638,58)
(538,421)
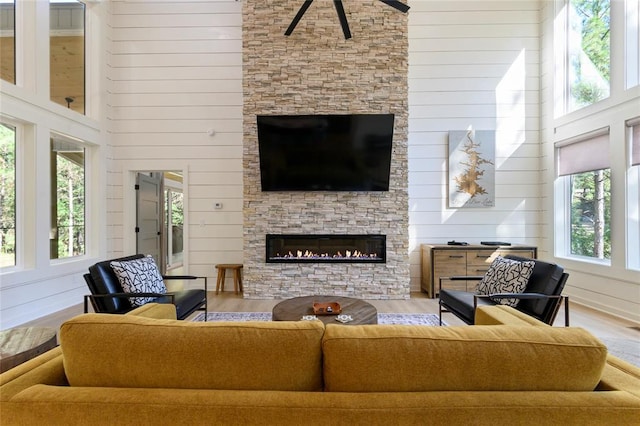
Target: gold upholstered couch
(148,368)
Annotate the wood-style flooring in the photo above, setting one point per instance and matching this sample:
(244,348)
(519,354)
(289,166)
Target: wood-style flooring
(598,323)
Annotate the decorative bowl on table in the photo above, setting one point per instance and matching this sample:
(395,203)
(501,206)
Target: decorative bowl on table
(326,308)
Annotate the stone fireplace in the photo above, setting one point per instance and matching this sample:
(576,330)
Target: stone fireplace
(317,71)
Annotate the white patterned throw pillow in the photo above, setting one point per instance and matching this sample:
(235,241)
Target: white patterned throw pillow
(506,276)
(139,276)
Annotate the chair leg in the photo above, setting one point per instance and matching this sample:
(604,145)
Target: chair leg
(440,313)
(566,311)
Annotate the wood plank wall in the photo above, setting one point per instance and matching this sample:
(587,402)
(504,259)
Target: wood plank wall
(473,64)
(175,73)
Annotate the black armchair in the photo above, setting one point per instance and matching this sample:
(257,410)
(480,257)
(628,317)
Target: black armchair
(107,295)
(541,298)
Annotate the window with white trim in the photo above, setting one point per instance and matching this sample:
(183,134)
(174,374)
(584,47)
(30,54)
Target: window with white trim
(67,236)
(584,53)
(633,195)
(632,43)
(584,165)
(8,195)
(8,41)
(67,53)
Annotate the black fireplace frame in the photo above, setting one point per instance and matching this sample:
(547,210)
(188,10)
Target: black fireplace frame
(381,241)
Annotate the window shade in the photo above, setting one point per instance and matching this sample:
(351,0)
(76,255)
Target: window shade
(584,153)
(635,144)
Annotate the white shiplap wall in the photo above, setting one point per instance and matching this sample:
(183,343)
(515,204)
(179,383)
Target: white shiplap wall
(175,72)
(473,64)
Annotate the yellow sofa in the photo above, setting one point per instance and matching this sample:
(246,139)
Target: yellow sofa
(146,369)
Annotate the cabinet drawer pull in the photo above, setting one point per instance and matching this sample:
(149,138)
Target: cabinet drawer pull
(458,256)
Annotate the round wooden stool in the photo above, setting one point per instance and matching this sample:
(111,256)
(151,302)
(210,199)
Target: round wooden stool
(237,278)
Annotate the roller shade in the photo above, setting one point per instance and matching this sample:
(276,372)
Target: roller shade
(584,153)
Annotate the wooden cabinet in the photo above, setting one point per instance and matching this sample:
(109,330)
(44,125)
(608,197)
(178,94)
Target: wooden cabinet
(446,261)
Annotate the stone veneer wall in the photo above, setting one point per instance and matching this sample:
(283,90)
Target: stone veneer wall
(317,71)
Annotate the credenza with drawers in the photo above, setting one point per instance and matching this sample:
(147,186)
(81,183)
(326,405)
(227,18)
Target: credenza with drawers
(470,260)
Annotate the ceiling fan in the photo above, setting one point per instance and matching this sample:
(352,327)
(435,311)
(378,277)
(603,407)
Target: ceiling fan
(341,15)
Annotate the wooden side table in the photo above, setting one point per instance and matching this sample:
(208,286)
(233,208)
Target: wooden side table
(21,344)
(237,277)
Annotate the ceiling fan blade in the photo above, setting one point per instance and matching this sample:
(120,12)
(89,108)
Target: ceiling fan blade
(343,19)
(396,5)
(298,16)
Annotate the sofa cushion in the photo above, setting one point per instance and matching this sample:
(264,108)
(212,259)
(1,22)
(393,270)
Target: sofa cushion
(128,351)
(139,276)
(501,314)
(506,276)
(397,358)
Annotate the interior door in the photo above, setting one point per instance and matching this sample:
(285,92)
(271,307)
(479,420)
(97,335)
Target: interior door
(149,216)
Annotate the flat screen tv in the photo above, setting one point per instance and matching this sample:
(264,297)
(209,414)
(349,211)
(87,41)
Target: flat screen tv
(350,152)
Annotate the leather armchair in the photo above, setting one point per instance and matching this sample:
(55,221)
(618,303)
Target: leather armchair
(107,295)
(541,298)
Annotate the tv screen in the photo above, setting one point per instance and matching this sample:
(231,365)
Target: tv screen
(325,152)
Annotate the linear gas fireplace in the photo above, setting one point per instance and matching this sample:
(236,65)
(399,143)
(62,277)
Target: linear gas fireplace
(326,248)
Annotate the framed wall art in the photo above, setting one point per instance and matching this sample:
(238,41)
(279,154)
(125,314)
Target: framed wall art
(472,168)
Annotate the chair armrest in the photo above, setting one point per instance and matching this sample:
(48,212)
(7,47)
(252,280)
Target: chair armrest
(87,297)
(522,296)
(186,277)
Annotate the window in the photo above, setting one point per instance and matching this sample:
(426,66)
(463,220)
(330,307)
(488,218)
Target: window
(633,195)
(632,43)
(7,195)
(8,41)
(67,55)
(174,210)
(584,162)
(67,237)
(585,48)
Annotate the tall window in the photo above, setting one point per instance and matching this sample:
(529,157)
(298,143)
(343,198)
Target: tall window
(633,195)
(587,53)
(632,43)
(8,40)
(7,195)
(67,53)
(584,162)
(67,236)
(174,210)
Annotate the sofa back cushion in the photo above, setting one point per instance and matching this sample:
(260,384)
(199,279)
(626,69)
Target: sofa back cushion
(397,358)
(133,352)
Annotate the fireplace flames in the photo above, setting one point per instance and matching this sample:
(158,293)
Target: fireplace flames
(308,254)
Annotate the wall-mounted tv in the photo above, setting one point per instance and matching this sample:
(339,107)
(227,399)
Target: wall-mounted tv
(348,152)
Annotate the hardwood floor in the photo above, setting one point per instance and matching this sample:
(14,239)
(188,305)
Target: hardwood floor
(598,323)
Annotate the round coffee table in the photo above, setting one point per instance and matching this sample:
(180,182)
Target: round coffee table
(294,309)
